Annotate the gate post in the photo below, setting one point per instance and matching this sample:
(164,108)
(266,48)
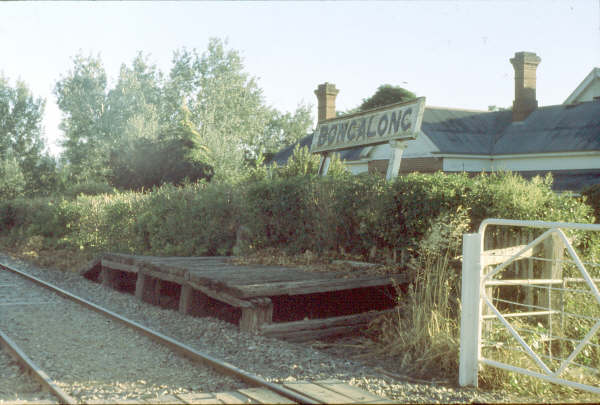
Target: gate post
(470,325)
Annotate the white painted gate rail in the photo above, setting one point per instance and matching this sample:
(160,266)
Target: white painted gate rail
(530,303)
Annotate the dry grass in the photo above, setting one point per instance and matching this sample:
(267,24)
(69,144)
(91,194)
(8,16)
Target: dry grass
(422,335)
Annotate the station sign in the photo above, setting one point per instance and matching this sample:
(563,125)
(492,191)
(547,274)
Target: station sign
(400,121)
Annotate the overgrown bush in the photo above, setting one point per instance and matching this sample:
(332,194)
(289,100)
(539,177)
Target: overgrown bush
(12,180)
(89,187)
(592,195)
(290,210)
(423,334)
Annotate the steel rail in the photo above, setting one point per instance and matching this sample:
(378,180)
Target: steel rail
(183,349)
(33,369)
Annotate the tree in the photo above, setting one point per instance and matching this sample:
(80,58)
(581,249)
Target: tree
(82,98)
(386,94)
(12,181)
(225,105)
(22,153)
(206,118)
(133,105)
(282,130)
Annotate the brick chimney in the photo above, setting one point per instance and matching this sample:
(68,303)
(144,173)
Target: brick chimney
(326,94)
(525,64)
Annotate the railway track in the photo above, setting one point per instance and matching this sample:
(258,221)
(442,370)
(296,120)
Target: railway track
(83,353)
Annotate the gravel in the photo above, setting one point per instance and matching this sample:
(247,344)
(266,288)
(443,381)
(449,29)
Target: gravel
(275,360)
(92,357)
(15,385)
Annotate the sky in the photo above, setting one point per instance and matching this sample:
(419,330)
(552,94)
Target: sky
(454,53)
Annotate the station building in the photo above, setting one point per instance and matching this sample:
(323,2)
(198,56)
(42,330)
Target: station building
(560,139)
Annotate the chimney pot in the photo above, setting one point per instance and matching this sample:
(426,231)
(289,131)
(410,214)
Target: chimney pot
(525,65)
(326,94)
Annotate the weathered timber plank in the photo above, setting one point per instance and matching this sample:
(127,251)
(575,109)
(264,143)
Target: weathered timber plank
(318,393)
(307,335)
(497,256)
(185,298)
(199,398)
(165,399)
(261,313)
(141,285)
(265,396)
(163,269)
(324,323)
(253,275)
(221,296)
(108,277)
(357,394)
(312,286)
(91,270)
(119,266)
(162,276)
(119,257)
(233,397)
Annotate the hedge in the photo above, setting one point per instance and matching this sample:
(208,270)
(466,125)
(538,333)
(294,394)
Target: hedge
(293,213)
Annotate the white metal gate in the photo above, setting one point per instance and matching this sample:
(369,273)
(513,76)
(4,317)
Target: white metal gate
(531,304)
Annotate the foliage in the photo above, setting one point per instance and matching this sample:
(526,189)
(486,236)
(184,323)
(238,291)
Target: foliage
(225,105)
(89,187)
(81,96)
(12,181)
(283,130)
(21,143)
(424,333)
(205,119)
(293,209)
(592,195)
(301,163)
(386,94)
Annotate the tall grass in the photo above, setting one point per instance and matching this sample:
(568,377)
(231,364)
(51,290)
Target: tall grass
(424,333)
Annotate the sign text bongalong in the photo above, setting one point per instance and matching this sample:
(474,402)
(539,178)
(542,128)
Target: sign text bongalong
(396,122)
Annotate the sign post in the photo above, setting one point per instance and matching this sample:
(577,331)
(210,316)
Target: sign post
(396,124)
(397,148)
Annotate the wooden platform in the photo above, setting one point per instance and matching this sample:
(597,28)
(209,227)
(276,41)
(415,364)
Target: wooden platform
(325,392)
(256,291)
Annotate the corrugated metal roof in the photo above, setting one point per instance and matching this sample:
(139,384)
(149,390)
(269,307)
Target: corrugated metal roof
(464,132)
(560,128)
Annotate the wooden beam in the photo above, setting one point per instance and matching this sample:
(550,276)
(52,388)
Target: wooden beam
(312,286)
(185,299)
(260,314)
(319,393)
(221,296)
(321,327)
(92,269)
(141,285)
(108,277)
(497,256)
(119,266)
(265,396)
(165,276)
(357,394)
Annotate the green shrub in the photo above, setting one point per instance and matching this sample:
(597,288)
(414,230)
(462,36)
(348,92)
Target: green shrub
(12,180)
(88,188)
(292,212)
(592,195)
